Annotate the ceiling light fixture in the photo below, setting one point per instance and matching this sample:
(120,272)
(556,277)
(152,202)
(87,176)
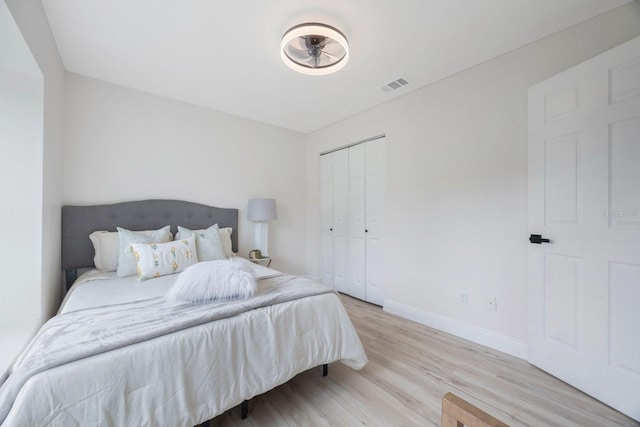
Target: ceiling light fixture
(315,49)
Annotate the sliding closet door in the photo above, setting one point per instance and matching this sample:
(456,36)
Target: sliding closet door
(326,219)
(334,185)
(374,217)
(340,215)
(351,220)
(357,225)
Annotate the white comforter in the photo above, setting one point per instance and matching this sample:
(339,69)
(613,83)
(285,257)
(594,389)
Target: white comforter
(186,377)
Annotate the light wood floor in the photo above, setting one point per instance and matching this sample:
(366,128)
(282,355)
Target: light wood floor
(410,368)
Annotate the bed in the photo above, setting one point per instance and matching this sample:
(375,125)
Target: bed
(180,377)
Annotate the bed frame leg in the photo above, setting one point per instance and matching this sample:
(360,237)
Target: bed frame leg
(244,408)
(325,370)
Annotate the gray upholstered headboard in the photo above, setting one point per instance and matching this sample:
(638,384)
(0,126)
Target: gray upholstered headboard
(80,221)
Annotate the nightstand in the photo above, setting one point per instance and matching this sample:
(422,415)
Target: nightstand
(266,261)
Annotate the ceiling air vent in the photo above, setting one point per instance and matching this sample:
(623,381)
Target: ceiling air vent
(396,84)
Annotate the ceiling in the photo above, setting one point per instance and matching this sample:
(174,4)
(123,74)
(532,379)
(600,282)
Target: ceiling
(15,54)
(224,55)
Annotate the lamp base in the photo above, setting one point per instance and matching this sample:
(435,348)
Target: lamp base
(261,237)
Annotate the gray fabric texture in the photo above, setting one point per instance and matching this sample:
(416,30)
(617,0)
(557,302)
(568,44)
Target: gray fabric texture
(80,221)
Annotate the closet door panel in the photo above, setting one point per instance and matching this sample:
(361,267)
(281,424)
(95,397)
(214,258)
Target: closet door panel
(326,219)
(340,220)
(374,216)
(356,226)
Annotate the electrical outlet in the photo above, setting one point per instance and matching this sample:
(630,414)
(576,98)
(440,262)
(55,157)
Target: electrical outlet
(492,304)
(463,298)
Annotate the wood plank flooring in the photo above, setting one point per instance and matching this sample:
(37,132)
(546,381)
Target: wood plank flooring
(410,368)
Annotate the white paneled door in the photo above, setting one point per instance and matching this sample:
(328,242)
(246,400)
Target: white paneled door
(334,256)
(584,196)
(339,227)
(357,223)
(374,219)
(351,219)
(326,219)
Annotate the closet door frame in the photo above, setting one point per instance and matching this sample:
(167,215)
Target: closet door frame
(352,218)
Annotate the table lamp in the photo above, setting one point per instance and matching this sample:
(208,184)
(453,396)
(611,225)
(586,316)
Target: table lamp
(260,212)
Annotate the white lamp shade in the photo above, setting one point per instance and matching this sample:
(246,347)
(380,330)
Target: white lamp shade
(261,210)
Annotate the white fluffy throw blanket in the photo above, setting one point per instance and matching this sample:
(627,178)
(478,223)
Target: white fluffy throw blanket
(213,281)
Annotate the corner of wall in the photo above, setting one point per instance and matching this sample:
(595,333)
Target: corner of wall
(34,26)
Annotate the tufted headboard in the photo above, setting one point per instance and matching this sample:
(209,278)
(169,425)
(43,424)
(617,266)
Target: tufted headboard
(80,221)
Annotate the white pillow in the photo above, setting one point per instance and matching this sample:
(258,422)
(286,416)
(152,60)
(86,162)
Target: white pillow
(225,239)
(213,280)
(160,259)
(106,247)
(207,242)
(126,260)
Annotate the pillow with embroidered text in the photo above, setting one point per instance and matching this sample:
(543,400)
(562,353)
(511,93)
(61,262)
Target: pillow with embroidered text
(126,260)
(160,259)
(106,246)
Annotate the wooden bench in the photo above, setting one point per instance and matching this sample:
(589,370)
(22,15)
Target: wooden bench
(457,412)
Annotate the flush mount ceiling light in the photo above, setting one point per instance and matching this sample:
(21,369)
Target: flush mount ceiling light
(314,49)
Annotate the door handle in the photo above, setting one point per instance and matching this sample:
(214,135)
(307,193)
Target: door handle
(537,239)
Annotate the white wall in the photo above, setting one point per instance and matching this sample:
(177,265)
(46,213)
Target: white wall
(32,22)
(456,199)
(21,189)
(122,144)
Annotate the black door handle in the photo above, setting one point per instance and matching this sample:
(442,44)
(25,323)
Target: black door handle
(537,239)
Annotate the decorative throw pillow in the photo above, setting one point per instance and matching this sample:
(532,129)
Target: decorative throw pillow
(106,246)
(126,260)
(207,242)
(212,281)
(160,259)
(225,239)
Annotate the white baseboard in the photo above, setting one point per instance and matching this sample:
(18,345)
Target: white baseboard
(455,327)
